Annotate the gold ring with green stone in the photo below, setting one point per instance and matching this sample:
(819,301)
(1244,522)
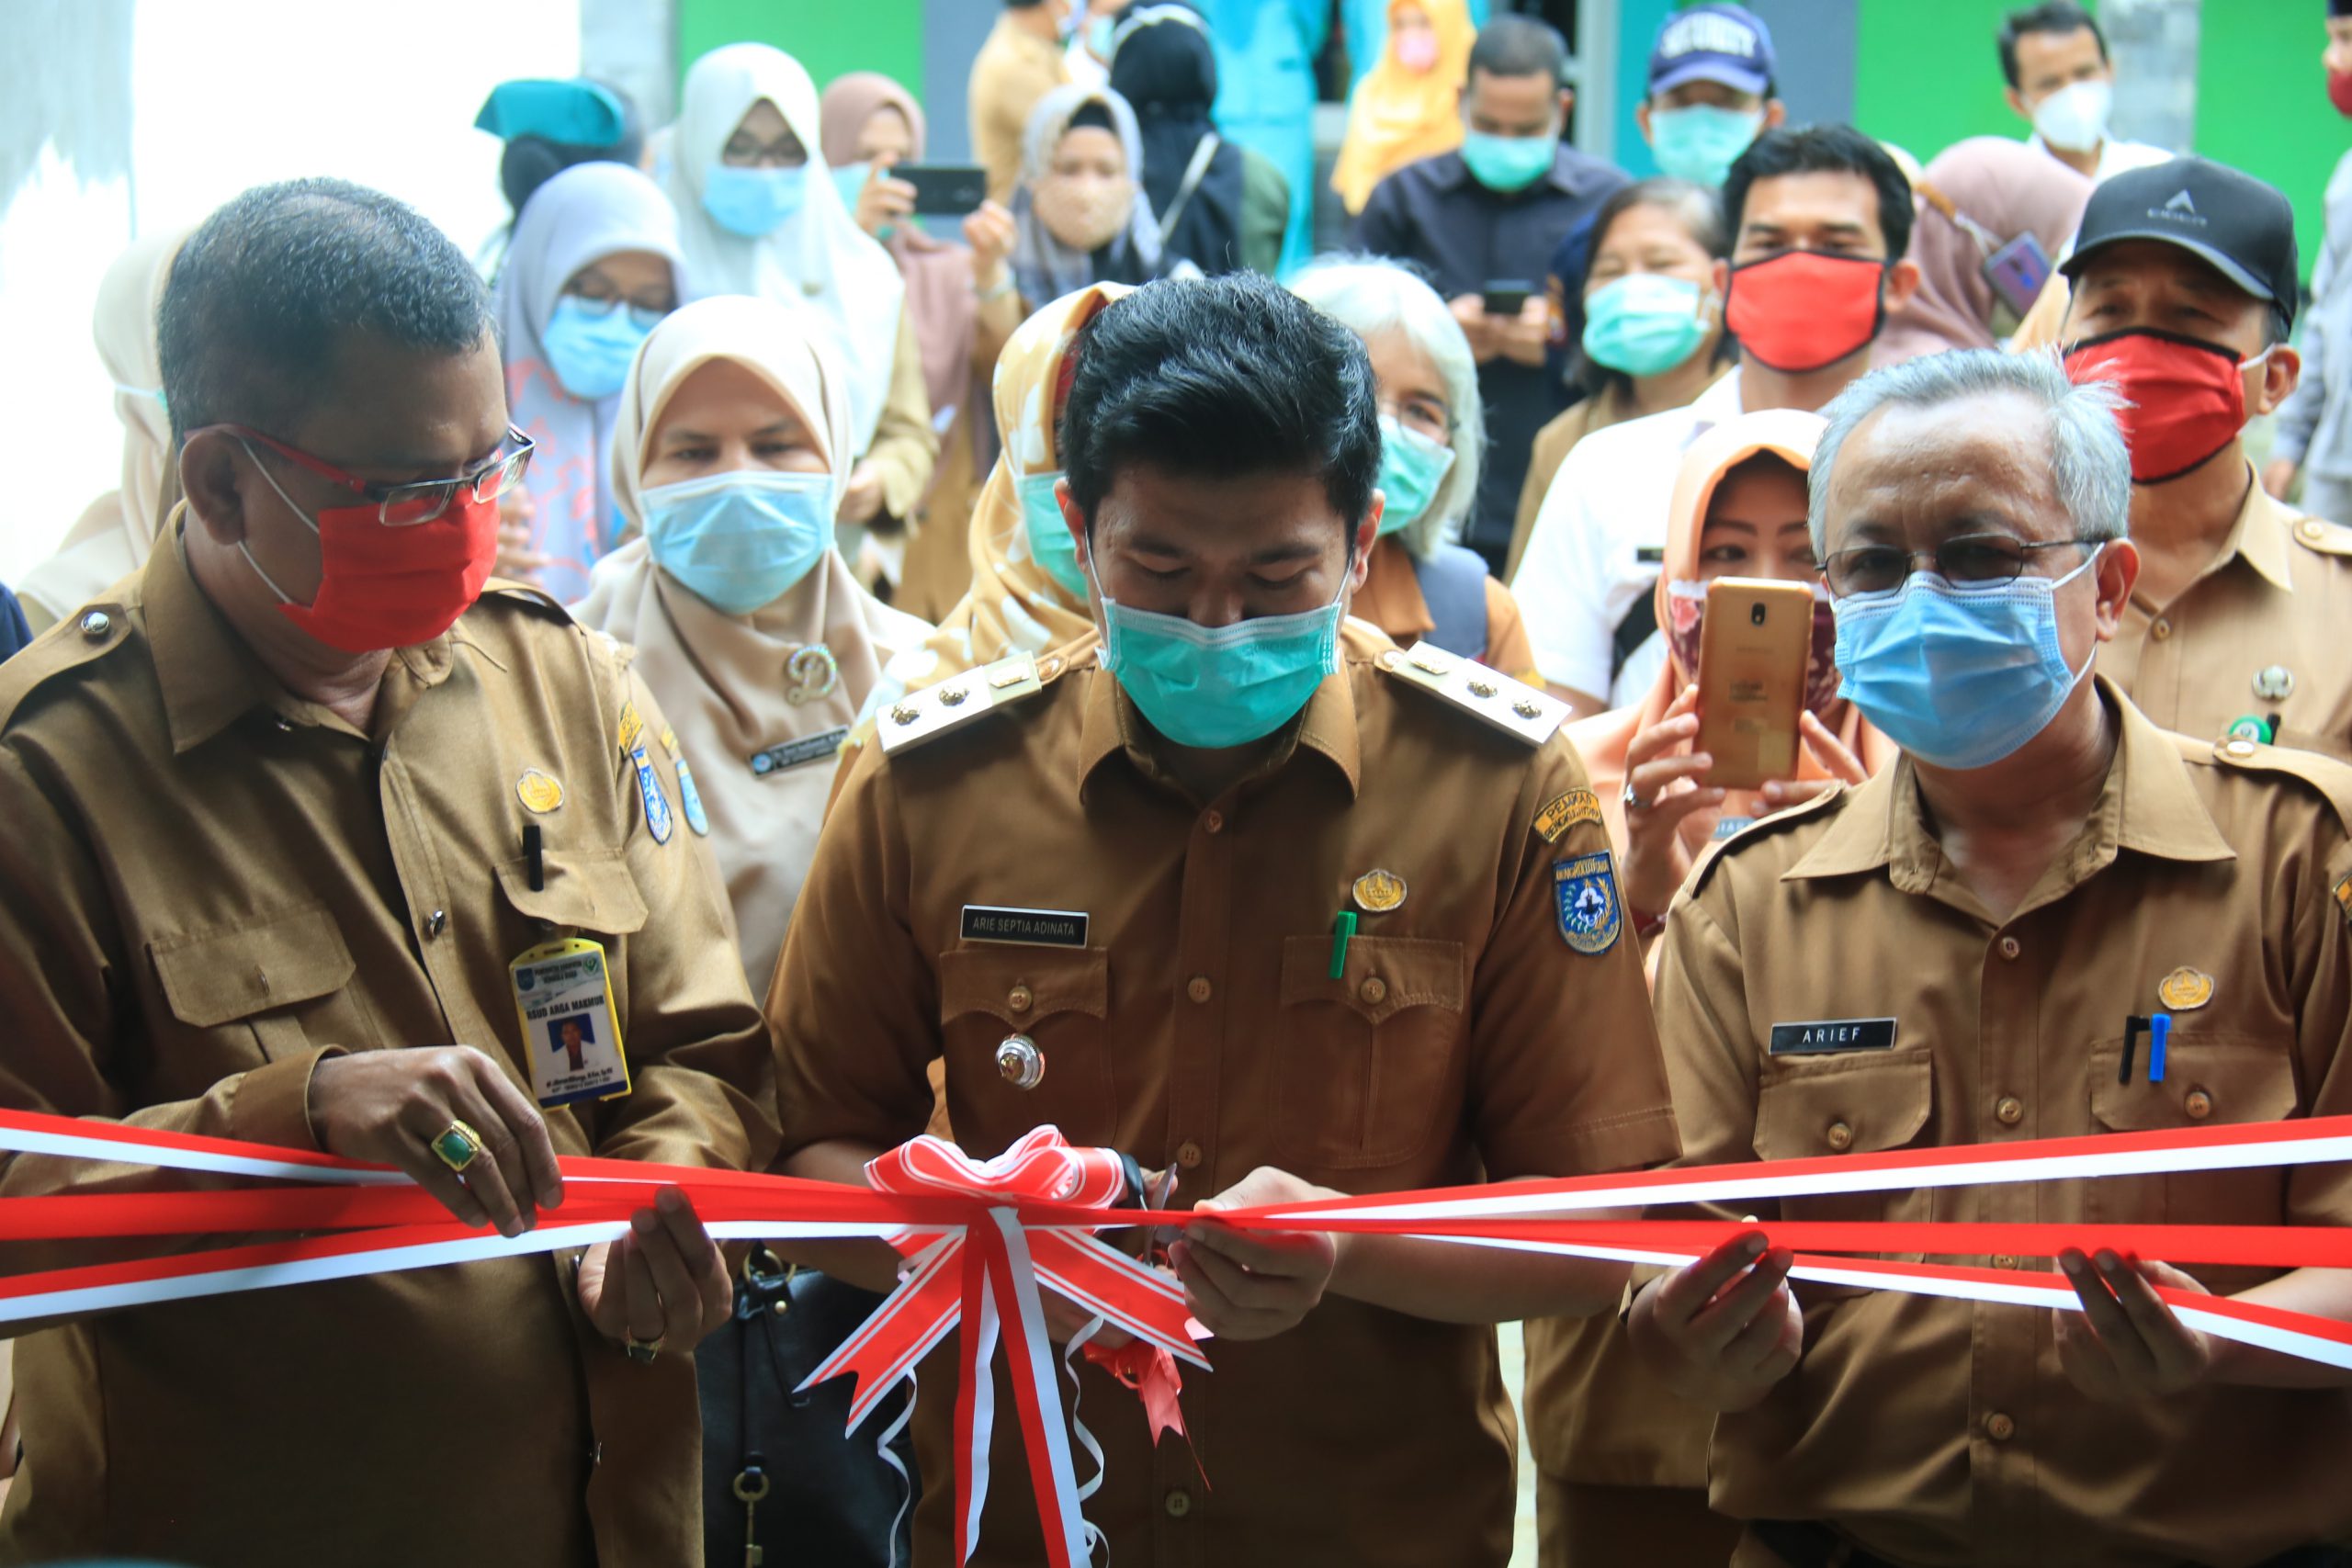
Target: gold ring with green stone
(458,1148)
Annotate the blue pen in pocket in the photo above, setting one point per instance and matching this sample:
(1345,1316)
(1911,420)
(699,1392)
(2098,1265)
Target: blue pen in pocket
(2159,1032)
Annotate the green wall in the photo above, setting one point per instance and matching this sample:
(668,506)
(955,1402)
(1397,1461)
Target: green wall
(829,37)
(2262,105)
(1927,74)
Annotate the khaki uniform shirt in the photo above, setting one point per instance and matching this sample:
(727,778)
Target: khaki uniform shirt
(1199,1027)
(205,883)
(1012,71)
(1944,1433)
(2261,635)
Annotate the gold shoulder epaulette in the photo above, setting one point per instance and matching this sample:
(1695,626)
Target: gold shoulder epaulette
(2319,534)
(1517,709)
(933,711)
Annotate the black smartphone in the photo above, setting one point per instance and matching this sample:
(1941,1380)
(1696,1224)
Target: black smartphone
(1506,297)
(945,190)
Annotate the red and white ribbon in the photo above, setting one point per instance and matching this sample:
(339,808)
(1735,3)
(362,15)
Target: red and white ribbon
(982,1237)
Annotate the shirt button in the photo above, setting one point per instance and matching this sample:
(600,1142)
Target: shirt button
(2009,948)
(1178,1503)
(1375,991)
(2161,629)
(2002,1261)
(2199,1104)
(1999,1426)
(1841,1136)
(1188,1155)
(2011,1111)
(1019,999)
(596,1453)
(1199,989)
(95,624)
(1213,822)
(435,923)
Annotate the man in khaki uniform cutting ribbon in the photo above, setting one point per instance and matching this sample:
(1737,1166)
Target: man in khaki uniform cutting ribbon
(1260,899)
(305,846)
(2048,919)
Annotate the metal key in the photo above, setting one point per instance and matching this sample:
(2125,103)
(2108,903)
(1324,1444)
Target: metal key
(750,1487)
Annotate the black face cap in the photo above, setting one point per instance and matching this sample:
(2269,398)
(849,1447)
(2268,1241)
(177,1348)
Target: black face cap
(2244,228)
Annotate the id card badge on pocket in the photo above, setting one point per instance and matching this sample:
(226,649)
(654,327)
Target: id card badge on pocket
(564,993)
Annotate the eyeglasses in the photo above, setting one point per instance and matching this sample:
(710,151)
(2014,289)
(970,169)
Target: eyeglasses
(406,505)
(1975,561)
(601,307)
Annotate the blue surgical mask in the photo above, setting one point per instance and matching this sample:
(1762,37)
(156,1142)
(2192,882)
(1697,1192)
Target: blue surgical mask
(740,540)
(1508,163)
(591,344)
(850,180)
(1412,467)
(1701,143)
(1099,36)
(1218,686)
(1642,323)
(753,202)
(1959,677)
(1051,544)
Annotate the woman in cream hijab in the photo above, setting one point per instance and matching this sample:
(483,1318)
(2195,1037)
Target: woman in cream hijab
(729,452)
(1408,107)
(1028,592)
(113,535)
(759,214)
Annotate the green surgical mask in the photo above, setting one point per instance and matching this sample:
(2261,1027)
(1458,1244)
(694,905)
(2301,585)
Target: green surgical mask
(1218,686)
(1412,467)
(1051,544)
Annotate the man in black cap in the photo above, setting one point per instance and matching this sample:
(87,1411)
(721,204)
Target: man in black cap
(2184,292)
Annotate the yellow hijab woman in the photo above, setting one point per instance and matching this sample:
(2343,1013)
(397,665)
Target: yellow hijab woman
(1408,107)
(1027,594)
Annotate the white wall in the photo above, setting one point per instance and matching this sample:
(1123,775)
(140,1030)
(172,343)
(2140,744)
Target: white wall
(224,94)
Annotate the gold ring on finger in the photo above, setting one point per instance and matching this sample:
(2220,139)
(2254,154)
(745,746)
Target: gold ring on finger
(459,1146)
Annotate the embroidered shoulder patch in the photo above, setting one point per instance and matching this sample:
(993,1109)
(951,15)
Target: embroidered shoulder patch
(1590,913)
(1565,812)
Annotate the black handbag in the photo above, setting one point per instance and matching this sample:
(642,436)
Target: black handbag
(780,1482)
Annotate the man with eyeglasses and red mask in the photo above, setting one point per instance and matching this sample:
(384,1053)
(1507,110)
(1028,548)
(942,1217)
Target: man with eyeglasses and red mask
(303,821)
(2184,290)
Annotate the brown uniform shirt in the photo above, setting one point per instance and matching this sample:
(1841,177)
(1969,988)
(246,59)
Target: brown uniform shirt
(205,883)
(1198,1027)
(1940,1432)
(2261,635)
(1013,69)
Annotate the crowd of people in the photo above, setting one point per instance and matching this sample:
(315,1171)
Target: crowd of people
(1058,674)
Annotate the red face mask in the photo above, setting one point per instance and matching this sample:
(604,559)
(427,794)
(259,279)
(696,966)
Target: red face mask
(391,587)
(1686,615)
(2339,92)
(2188,398)
(1801,310)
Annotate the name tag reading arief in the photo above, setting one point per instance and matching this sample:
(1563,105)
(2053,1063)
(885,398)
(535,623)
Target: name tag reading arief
(1031,928)
(1833,1034)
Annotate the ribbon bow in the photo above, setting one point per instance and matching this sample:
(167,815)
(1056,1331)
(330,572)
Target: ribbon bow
(985,1277)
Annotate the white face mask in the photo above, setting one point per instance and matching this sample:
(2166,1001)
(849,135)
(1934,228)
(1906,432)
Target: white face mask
(2075,116)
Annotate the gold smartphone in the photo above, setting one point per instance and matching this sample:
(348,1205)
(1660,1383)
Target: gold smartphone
(1753,650)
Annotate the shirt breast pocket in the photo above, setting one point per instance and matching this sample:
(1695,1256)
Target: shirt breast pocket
(1857,1103)
(1045,1008)
(1369,1063)
(586,890)
(259,991)
(2210,1080)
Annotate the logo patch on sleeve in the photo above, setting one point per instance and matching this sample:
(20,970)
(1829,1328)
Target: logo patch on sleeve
(1590,913)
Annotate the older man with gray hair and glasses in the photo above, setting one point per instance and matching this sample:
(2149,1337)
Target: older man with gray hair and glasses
(1970,949)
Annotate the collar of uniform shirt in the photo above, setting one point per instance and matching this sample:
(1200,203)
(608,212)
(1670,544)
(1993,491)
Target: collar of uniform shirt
(2261,536)
(1111,725)
(2147,805)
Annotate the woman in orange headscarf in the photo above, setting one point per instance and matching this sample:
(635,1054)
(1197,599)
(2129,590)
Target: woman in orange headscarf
(1617,1454)
(1738,510)
(1408,107)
